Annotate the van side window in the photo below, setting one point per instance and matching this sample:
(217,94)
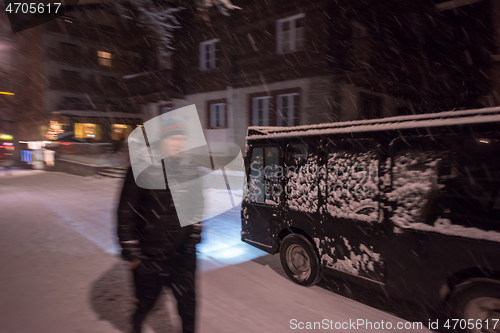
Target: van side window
(473,186)
(352,183)
(264,176)
(415,182)
(255,181)
(302,178)
(272,175)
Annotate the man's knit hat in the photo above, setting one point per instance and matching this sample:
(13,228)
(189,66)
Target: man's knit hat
(171,127)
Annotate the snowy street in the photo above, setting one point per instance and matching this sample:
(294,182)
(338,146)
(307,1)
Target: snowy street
(59,270)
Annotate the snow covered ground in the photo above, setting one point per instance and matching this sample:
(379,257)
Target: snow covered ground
(59,271)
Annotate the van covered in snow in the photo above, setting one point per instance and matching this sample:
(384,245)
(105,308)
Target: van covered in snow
(408,206)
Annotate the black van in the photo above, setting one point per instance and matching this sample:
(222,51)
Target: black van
(408,206)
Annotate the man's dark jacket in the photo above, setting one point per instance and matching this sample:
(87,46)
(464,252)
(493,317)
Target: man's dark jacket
(148,226)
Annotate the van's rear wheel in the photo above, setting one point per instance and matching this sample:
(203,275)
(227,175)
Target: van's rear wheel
(299,260)
(478,306)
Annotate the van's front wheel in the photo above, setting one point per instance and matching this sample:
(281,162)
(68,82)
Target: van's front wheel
(299,260)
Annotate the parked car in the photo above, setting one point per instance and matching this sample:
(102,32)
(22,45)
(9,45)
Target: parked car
(407,206)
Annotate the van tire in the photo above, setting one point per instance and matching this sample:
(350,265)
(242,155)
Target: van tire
(300,260)
(472,298)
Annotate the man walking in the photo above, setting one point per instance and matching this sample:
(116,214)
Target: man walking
(159,251)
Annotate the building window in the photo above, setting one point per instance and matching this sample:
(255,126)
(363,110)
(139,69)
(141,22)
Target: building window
(260,111)
(119,131)
(86,130)
(104,58)
(370,106)
(209,53)
(218,115)
(288,105)
(290,33)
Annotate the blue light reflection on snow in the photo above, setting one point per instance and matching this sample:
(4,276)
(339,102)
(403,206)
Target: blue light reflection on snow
(221,242)
(221,238)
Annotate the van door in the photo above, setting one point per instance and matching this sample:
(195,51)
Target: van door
(413,269)
(351,223)
(261,207)
(302,187)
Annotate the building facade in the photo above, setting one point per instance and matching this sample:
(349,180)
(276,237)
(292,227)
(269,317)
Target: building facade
(289,63)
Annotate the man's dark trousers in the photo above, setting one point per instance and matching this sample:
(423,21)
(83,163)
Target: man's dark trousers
(178,274)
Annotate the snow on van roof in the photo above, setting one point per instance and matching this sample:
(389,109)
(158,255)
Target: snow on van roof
(448,118)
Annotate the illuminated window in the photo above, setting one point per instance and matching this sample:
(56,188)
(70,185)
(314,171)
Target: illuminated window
(87,131)
(119,131)
(104,58)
